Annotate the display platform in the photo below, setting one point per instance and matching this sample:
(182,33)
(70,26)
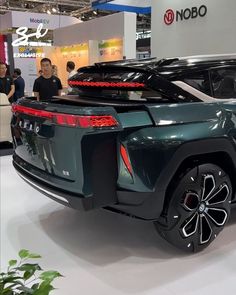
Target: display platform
(103,253)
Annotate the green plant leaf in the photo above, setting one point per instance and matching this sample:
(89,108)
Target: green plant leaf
(28,274)
(23,253)
(34,255)
(28,269)
(11,273)
(14,286)
(11,279)
(12,262)
(29,266)
(43,289)
(50,275)
(35,286)
(7,291)
(26,290)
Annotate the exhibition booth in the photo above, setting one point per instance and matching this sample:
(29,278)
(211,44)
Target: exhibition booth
(145,144)
(104,39)
(35,33)
(64,38)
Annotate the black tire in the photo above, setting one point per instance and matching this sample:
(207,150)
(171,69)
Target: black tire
(197,208)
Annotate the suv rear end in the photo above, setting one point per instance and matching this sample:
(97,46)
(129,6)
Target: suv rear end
(74,148)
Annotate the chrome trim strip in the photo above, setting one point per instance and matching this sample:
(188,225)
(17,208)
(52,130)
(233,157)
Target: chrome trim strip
(44,190)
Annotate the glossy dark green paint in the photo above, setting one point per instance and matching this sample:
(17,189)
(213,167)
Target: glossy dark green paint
(64,157)
(150,149)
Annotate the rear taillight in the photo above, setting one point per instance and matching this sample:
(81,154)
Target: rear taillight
(125,158)
(85,121)
(96,121)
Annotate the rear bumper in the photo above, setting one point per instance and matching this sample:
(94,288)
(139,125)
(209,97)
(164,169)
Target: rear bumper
(75,201)
(136,204)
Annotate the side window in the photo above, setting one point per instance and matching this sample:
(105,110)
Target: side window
(224,82)
(199,81)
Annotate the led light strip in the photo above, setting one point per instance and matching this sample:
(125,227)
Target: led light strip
(107,84)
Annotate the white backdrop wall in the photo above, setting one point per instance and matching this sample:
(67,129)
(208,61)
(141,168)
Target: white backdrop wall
(119,25)
(211,34)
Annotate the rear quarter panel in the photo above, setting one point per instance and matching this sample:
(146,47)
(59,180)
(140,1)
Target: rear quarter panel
(152,148)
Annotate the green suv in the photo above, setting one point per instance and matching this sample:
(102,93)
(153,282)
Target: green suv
(152,139)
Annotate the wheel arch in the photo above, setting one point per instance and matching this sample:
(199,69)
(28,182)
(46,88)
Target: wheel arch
(153,203)
(215,151)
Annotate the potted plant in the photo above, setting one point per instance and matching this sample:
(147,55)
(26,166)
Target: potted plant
(23,277)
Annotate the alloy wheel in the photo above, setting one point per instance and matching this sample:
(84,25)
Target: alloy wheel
(204,210)
(198,208)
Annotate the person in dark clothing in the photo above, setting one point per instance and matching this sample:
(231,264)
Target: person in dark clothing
(19,85)
(6,82)
(47,85)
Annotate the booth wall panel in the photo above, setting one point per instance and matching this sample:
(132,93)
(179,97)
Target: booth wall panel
(211,34)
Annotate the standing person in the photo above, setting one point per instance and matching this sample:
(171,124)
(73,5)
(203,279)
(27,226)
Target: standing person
(47,85)
(70,67)
(19,85)
(54,70)
(6,82)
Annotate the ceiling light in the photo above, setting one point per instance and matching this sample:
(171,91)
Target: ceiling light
(48,11)
(95,12)
(54,9)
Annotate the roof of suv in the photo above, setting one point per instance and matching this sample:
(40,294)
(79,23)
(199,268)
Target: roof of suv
(175,66)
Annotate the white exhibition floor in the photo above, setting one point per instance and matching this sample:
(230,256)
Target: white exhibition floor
(103,253)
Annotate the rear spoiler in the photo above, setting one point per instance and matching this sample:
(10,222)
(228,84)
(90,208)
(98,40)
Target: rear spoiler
(93,81)
(109,76)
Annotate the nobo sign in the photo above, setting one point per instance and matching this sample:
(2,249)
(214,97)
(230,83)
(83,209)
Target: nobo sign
(184,14)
